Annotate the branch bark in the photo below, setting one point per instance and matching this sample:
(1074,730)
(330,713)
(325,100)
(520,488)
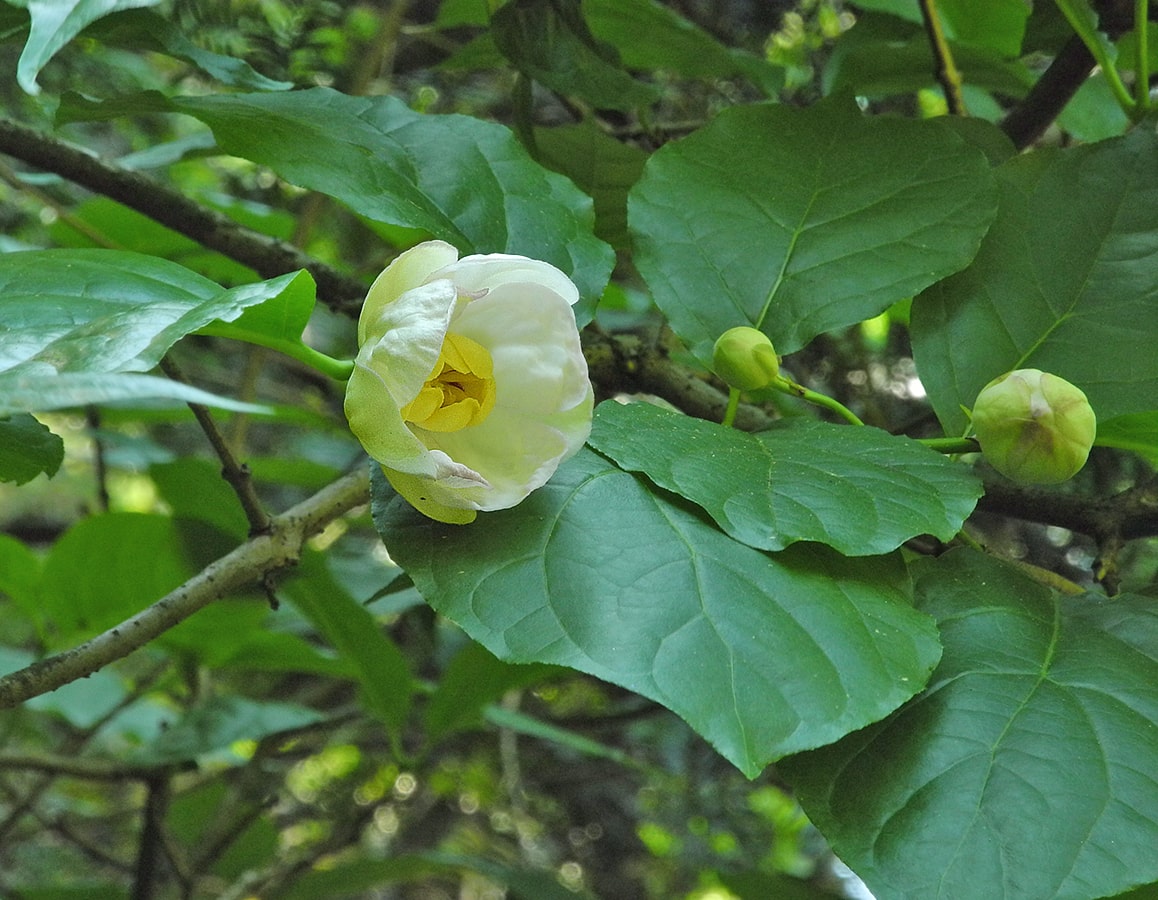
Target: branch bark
(267,256)
(262,555)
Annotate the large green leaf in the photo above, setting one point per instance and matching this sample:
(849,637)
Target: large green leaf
(53,24)
(27,448)
(1066,271)
(859,490)
(549,41)
(461,179)
(1029,766)
(799,221)
(761,654)
(73,318)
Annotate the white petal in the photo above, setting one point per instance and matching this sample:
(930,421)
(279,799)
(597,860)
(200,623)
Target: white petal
(408,270)
(412,329)
(483,272)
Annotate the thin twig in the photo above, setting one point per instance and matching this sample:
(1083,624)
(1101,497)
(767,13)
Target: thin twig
(236,474)
(945,69)
(259,556)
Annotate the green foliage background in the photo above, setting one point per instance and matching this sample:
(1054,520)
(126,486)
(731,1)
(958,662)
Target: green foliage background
(702,661)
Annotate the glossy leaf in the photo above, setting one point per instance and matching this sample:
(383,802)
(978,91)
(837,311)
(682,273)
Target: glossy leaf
(761,654)
(27,448)
(1029,766)
(799,221)
(56,22)
(36,391)
(1066,271)
(859,490)
(458,178)
(76,314)
(550,42)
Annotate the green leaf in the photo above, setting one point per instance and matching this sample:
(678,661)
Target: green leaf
(1137,432)
(651,36)
(98,312)
(601,166)
(761,654)
(19,574)
(127,229)
(457,178)
(799,221)
(860,490)
(42,390)
(387,685)
(78,598)
(996,24)
(28,448)
(880,57)
(195,489)
(213,726)
(1029,766)
(53,24)
(143,30)
(1068,267)
(548,41)
(240,634)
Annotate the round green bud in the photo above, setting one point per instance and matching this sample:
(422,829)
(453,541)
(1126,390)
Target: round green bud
(1033,427)
(745,358)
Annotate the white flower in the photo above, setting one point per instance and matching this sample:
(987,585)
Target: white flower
(470,386)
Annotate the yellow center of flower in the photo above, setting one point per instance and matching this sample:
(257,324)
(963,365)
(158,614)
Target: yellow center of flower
(459,392)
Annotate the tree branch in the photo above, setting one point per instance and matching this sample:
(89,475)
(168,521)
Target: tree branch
(1049,95)
(255,559)
(267,256)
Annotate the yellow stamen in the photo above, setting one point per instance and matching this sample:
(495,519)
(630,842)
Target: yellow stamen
(460,391)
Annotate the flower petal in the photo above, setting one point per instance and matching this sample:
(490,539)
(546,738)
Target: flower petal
(416,492)
(413,330)
(486,272)
(408,270)
(376,421)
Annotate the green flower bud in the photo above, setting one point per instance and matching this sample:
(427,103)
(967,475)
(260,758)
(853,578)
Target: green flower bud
(745,358)
(1034,427)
